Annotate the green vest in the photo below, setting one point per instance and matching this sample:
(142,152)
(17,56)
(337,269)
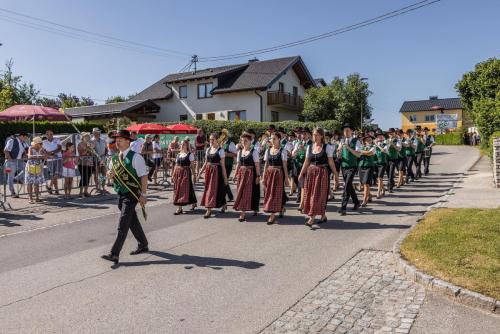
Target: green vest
(420,146)
(393,152)
(381,155)
(127,162)
(366,161)
(408,150)
(228,161)
(349,160)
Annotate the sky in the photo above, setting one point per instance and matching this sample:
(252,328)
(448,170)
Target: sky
(410,57)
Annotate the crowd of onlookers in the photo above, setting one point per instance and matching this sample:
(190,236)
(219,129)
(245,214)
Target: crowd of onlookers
(45,160)
(472,138)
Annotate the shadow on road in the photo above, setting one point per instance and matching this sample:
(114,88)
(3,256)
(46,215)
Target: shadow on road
(191,260)
(7,219)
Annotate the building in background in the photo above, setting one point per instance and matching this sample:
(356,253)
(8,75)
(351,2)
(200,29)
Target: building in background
(436,114)
(267,91)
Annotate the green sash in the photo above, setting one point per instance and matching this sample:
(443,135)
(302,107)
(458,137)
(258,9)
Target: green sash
(126,179)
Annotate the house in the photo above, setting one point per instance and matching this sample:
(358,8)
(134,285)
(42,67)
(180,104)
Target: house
(269,90)
(426,113)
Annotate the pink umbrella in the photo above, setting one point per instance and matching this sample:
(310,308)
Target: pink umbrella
(181,128)
(24,112)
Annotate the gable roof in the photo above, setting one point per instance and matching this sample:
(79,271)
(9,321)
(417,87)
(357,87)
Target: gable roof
(110,108)
(427,105)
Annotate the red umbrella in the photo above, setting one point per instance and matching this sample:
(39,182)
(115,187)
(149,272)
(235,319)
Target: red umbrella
(148,128)
(181,128)
(24,112)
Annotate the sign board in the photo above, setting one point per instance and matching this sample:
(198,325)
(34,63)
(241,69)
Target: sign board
(447,121)
(167,138)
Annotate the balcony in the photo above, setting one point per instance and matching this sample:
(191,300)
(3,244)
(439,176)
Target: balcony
(285,100)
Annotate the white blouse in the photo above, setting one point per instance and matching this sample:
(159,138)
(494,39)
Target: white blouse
(183,155)
(329,151)
(221,152)
(255,155)
(284,154)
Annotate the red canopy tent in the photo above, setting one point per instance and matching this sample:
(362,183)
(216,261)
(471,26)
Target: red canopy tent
(181,128)
(23,112)
(148,128)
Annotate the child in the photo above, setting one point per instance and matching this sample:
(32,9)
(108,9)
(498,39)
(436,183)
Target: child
(69,164)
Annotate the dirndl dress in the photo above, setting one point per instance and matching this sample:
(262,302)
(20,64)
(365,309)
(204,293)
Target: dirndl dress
(274,183)
(183,183)
(316,185)
(214,194)
(247,191)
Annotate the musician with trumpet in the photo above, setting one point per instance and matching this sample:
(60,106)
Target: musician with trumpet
(419,152)
(429,143)
(393,149)
(230,153)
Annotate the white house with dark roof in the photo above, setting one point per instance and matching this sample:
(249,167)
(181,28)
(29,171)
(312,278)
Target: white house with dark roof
(268,90)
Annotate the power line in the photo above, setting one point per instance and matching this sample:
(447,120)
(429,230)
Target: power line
(57,96)
(69,31)
(380,18)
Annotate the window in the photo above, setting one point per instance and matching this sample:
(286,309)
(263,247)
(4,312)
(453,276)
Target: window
(281,87)
(275,116)
(183,92)
(211,116)
(413,118)
(205,90)
(237,115)
(199,116)
(183,117)
(295,91)
(430,118)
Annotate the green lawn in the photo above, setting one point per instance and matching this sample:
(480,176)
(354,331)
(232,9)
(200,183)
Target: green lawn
(461,246)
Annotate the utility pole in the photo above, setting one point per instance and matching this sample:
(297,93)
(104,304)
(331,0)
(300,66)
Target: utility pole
(361,124)
(194,60)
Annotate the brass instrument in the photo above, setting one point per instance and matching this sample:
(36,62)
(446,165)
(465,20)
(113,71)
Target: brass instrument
(223,137)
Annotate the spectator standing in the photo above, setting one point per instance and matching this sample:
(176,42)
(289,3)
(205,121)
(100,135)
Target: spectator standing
(157,156)
(15,150)
(147,151)
(52,147)
(85,164)
(69,165)
(99,145)
(34,169)
(200,144)
(136,144)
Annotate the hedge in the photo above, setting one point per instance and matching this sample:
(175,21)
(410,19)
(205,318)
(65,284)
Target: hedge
(487,146)
(7,128)
(235,128)
(450,138)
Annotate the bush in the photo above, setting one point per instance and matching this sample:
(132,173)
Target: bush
(7,128)
(451,138)
(487,145)
(235,128)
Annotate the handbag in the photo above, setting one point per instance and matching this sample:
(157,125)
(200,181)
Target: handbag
(34,169)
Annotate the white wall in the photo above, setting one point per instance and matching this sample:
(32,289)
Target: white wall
(290,79)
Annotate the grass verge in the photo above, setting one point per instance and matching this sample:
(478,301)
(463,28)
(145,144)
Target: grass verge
(461,246)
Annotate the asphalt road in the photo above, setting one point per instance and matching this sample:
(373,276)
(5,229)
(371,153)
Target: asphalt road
(202,276)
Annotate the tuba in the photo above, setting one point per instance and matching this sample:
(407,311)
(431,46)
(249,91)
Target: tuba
(224,135)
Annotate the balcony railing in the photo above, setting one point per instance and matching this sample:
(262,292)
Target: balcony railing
(285,100)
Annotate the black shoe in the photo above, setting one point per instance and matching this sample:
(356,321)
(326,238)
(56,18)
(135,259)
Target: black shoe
(270,222)
(391,191)
(322,221)
(178,212)
(241,220)
(110,257)
(139,250)
(15,196)
(355,207)
(342,212)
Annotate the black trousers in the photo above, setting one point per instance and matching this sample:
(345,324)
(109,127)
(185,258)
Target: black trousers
(427,162)
(418,164)
(348,176)
(391,170)
(128,220)
(409,167)
(229,193)
(85,174)
(152,167)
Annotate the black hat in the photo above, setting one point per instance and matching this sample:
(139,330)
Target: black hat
(426,129)
(391,130)
(306,130)
(408,131)
(347,125)
(123,134)
(291,134)
(418,127)
(282,130)
(298,129)
(336,133)
(379,132)
(23,134)
(272,127)
(251,131)
(366,136)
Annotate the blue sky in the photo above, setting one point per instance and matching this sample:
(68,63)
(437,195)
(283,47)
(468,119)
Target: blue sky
(406,58)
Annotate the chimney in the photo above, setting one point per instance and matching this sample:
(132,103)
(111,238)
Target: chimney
(433,97)
(253,60)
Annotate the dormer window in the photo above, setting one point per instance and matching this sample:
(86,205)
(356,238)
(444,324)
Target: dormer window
(205,90)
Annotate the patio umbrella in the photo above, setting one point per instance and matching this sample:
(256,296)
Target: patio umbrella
(22,112)
(148,128)
(181,128)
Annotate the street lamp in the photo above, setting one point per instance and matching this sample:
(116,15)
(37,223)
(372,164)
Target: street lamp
(362,79)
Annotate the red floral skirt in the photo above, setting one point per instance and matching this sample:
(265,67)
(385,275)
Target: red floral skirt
(316,188)
(214,193)
(247,191)
(183,186)
(274,194)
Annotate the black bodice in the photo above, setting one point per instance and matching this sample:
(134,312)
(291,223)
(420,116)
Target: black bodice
(319,158)
(213,158)
(248,160)
(276,159)
(184,161)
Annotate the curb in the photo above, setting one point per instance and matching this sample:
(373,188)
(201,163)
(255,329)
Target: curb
(454,292)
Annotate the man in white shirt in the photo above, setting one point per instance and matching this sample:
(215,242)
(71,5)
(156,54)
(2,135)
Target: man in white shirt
(130,177)
(136,144)
(52,147)
(15,151)
(100,146)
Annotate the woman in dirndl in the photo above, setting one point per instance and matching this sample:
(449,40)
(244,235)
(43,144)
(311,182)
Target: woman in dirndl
(319,157)
(366,165)
(183,179)
(247,178)
(275,178)
(214,195)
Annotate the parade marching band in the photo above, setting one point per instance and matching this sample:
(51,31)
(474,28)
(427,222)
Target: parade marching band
(308,162)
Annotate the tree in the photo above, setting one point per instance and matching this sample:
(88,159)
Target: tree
(13,90)
(342,101)
(479,92)
(71,101)
(115,99)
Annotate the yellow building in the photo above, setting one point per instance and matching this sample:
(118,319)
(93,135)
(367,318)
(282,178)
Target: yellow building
(424,113)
